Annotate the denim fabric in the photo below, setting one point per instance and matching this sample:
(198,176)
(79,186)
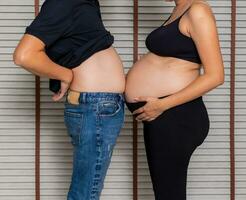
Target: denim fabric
(93,126)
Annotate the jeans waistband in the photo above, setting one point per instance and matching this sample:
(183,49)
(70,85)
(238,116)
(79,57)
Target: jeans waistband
(93,97)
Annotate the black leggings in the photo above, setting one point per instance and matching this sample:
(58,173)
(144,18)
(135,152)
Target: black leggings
(170,140)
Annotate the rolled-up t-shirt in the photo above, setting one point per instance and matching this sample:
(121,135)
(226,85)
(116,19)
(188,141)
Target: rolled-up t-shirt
(72,31)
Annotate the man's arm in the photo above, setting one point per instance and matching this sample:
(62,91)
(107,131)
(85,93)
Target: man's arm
(30,54)
(49,26)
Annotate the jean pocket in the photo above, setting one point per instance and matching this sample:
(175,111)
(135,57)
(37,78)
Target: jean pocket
(108,108)
(73,121)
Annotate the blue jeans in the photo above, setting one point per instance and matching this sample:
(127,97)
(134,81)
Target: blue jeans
(93,124)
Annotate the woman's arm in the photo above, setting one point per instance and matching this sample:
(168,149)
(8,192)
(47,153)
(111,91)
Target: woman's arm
(30,54)
(203,31)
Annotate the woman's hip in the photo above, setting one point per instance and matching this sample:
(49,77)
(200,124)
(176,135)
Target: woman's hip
(186,122)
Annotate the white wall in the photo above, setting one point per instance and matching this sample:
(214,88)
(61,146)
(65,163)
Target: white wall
(17,114)
(209,171)
(17,101)
(240,111)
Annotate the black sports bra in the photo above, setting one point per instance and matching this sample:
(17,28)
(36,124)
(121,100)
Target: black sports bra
(169,41)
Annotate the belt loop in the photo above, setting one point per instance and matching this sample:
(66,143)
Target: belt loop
(79,98)
(83,97)
(122,97)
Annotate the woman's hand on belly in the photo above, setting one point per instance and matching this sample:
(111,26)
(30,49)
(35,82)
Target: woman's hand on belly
(151,110)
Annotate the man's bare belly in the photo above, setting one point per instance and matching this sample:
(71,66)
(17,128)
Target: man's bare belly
(102,72)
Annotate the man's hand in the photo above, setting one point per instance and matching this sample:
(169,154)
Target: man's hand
(64,87)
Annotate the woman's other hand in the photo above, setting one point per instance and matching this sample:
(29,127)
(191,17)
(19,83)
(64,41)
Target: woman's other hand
(151,110)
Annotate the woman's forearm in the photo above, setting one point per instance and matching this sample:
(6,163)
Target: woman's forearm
(40,64)
(198,87)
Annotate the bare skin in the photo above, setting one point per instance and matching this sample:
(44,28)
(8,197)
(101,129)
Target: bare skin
(102,72)
(155,76)
(30,54)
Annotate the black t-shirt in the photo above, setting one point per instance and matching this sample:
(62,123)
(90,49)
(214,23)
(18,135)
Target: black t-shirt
(72,31)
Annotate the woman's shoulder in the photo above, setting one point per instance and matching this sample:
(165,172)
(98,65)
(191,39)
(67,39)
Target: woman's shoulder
(200,10)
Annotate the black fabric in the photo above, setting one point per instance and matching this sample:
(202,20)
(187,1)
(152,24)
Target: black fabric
(169,41)
(170,140)
(72,31)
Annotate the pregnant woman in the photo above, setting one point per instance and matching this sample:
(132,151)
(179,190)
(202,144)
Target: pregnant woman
(68,43)
(164,90)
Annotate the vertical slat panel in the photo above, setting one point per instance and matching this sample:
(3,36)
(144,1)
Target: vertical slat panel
(134,122)
(209,174)
(17,107)
(232,99)
(240,104)
(209,169)
(37,124)
(56,150)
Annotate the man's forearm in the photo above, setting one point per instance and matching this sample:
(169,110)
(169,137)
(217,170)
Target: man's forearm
(41,65)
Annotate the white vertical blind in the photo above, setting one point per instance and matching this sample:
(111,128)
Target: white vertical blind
(56,150)
(17,107)
(209,169)
(240,111)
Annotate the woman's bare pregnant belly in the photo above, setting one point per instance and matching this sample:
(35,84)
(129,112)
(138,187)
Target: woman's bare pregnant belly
(102,72)
(158,76)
